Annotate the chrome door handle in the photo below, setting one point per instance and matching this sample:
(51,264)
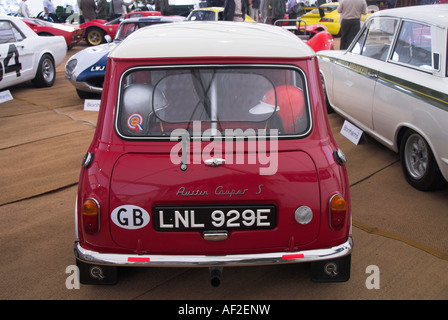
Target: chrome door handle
(214,162)
(372,75)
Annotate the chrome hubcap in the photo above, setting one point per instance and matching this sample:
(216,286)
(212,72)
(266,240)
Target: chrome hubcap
(47,70)
(416,156)
(94,37)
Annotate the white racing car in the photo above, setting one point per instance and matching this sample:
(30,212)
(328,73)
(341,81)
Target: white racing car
(86,69)
(26,56)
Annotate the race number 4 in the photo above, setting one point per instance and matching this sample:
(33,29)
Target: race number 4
(11,66)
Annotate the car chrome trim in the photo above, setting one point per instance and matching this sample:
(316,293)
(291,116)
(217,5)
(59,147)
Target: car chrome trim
(215,235)
(214,162)
(149,260)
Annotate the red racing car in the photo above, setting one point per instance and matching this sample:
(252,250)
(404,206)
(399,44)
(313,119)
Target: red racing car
(97,29)
(72,34)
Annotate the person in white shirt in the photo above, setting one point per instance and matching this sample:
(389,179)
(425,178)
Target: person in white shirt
(350,16)
(50,10)
(23,9)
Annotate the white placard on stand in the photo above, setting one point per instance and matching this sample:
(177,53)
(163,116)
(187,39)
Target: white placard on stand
(351,132)
(91,105)
(5,96)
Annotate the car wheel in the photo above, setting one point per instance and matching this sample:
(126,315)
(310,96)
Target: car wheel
(46,72)
(419,165)
(94,36)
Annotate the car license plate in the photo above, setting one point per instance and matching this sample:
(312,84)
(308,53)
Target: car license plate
(232,217)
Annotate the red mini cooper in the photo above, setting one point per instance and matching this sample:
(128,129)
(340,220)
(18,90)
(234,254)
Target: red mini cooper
(213,149)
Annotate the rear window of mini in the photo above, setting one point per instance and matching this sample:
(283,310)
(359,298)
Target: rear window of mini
(156,102)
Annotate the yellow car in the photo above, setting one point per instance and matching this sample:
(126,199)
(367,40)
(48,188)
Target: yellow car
(210,14)
(327,15)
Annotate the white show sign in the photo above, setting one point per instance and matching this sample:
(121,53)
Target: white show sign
(351,132)
(91,105)
(5,96)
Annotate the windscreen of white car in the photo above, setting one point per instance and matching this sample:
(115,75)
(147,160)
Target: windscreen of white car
(153,102)
(376,39)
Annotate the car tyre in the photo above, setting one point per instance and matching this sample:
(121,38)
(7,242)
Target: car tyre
(46,72)
(419,165)
(94,36)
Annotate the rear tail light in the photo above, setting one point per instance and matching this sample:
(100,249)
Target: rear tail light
(326,20)
(90,215)
(338,212)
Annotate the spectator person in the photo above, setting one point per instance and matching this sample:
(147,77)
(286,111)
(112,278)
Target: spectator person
(294,7)
(24,11)
(350,12)
(50,10)
(117,9)
(277,9)
(81,18)
(163,6)
(88,8)
(234,10)
(102,9)
(264,14)
(254,9)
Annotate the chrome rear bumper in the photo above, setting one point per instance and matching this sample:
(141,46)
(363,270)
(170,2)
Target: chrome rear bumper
(150,260)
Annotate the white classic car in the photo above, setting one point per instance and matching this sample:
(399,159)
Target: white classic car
(392,83)
(26,56)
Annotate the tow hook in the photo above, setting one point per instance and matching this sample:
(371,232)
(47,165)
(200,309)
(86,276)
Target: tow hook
(215,276)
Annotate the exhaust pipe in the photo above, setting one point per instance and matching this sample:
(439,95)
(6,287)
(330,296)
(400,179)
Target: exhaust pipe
(215,276)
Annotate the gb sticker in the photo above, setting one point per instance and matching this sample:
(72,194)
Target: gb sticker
(130,217)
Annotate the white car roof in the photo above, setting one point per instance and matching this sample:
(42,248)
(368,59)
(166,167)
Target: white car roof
(212,39)
(434,13)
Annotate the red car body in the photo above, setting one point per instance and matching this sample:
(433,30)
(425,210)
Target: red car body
(138,14)
(72,34)
(152,193)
